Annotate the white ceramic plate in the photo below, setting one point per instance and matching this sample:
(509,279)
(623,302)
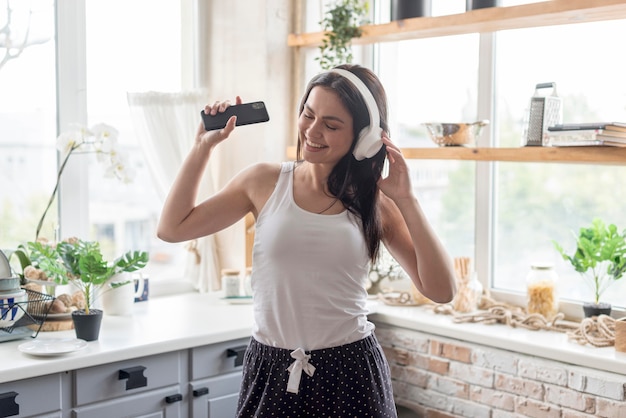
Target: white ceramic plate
(52,346)
(239,300)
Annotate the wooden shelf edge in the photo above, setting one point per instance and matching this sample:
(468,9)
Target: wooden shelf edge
(547,13)
(597,155)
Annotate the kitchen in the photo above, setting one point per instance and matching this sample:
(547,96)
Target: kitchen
(277,90)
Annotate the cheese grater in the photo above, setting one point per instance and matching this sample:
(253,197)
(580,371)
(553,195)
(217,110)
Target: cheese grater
(545,111)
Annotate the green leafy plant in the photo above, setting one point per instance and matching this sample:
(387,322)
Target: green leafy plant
(80,263)
(600,250)
(341,24)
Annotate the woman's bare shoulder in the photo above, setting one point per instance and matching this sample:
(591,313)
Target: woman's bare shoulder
(262,172)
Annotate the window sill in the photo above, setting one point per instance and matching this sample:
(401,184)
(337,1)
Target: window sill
(545,344)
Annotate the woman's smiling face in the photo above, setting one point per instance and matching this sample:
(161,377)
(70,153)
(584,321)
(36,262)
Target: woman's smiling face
(325,127)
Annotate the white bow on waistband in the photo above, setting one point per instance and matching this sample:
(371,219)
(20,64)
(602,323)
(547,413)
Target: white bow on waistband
(296,368)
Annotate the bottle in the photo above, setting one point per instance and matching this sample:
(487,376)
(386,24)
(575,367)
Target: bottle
(541,290)
(231,282)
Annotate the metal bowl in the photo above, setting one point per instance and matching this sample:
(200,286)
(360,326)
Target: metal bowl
(455,134)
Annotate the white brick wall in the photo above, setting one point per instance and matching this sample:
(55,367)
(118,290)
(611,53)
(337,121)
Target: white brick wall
(443,377)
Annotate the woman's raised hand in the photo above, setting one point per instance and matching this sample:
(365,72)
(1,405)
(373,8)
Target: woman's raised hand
(217,136)
(397,184)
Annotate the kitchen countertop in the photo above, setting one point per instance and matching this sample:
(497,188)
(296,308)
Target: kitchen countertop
(157,326)
(181,322)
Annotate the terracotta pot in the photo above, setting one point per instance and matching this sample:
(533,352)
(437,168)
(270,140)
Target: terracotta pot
(87,326)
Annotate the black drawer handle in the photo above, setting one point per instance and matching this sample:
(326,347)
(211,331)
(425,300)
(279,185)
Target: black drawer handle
(8,407)
(238,353)
(135,377)
(200,392)
(174,398)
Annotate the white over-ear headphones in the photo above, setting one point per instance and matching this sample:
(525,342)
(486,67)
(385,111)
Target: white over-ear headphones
(369,141)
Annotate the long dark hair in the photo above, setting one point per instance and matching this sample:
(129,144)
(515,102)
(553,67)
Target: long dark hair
(354,182)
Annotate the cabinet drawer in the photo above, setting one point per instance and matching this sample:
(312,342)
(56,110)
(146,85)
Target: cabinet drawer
(36,396)
(144,405)
(127,377)
(215,397)
(214,359)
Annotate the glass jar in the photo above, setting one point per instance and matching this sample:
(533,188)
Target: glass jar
(247,282)
(231,282)
(541,290)
(469,293)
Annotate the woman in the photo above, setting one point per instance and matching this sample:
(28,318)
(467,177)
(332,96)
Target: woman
(319,223)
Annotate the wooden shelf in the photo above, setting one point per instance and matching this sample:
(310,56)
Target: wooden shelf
(548,13)
(596,155)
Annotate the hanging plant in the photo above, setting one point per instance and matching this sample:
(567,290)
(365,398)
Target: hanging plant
(341,24)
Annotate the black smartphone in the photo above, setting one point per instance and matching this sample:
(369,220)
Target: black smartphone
(246,113)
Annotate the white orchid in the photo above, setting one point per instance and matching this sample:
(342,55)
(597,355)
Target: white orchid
(101,139)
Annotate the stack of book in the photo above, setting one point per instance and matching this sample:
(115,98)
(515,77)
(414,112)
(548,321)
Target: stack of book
(586,134)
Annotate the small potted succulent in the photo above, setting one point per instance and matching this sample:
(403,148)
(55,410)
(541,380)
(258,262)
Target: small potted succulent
(600,257)
(81,264)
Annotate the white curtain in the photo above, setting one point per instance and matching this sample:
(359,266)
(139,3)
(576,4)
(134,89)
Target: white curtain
(166,124)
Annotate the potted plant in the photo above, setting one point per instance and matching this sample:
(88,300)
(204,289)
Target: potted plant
(600,257)
(81,264)
(341,24)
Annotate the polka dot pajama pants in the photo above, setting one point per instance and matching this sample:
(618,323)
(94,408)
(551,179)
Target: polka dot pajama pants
(351,380)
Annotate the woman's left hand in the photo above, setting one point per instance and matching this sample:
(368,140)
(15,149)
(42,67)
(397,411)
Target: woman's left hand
(397,184)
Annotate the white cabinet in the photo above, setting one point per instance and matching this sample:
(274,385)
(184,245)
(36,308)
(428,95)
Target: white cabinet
(215,379)
(37,397)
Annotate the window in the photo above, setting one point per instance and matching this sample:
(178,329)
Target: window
(124,52)
(538,203)
(27,117)
(533,204)
(120,59)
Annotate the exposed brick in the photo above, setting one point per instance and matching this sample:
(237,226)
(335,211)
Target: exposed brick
(421,361)
(610,409)
(411,375)
(396,355)
(535,409)
(496,399)
(471,374)
(403,338)
(504,414)
(430,399)
(569,413)
(463,408)
(400,389)
(606,385)
(439,366)
(569,398)
(451,351)
(438,414)
(453,388)
(518,386)
(532,368)
(498,360)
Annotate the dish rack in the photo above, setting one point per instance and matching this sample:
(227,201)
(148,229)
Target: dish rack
(35,310)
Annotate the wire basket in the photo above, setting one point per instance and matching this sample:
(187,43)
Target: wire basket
(34,313)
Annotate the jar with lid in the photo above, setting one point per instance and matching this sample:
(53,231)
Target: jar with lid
(231,282)
(541,290)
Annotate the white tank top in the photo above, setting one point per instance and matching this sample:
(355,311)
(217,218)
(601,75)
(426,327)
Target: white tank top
(308,274)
